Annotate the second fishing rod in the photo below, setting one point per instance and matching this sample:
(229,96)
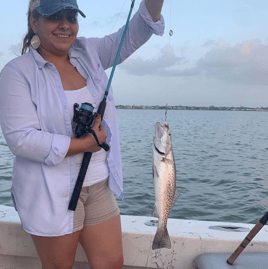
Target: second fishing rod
(84,117)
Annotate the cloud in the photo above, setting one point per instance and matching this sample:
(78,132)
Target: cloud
(245,63)
(15,49)
(156,66)
(209,43)
(95,24)
(103,22)
(115,17)
(184,48)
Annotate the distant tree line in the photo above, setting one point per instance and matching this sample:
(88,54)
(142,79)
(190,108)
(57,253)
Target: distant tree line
(179,107)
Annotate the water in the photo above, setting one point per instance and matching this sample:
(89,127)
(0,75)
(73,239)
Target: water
(221,161)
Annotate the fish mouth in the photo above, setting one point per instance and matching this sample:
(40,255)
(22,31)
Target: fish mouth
(160,152)
(161,128)
(161,139)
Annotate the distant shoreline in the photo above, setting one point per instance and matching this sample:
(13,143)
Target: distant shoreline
(241,108)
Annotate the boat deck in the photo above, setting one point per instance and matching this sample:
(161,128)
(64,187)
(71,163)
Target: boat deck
(189,239)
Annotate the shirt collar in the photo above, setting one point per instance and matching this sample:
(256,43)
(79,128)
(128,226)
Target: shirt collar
(75,52)
(41,62)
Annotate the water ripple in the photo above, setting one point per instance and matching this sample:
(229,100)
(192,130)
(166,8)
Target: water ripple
(221,161)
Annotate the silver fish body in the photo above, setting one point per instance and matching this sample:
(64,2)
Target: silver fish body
(164,174)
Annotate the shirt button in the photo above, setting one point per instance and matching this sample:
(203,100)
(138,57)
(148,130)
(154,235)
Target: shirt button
(104,117)
(115,175)
(94,94)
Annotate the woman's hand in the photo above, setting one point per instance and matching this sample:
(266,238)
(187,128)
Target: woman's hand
(88,143)
(154,7)
(100,133)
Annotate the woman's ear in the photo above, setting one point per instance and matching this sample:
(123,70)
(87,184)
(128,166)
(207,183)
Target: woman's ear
(33,24)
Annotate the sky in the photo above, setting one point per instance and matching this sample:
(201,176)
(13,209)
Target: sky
(217,55)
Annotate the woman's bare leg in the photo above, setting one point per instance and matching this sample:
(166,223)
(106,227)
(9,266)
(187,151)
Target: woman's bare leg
(57,252)
(102,244)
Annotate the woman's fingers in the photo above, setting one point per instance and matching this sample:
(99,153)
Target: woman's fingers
(96,123)
(100,133)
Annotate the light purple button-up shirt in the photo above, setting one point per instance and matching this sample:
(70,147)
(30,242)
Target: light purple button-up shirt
(36,123)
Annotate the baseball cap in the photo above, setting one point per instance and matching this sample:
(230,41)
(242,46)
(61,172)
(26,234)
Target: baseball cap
(49,7)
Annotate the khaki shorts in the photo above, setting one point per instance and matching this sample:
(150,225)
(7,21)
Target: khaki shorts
(96,204)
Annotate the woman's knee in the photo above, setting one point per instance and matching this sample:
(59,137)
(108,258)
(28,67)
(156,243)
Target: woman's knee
(108,263)
(57,252)
(116,262)
(59,265)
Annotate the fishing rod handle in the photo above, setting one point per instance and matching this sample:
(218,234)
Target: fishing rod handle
(79,182)
(244,243)
(102,107)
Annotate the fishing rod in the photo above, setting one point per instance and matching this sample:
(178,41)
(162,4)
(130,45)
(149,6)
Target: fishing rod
(248,238)
(87,109)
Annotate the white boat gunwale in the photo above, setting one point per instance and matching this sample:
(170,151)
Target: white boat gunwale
(189,238)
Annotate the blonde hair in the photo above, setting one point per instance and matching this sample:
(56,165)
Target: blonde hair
(28,37)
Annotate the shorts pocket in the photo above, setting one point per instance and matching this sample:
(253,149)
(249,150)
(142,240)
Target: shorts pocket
(13,199)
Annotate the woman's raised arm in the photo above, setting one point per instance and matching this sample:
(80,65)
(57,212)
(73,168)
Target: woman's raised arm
(154,7)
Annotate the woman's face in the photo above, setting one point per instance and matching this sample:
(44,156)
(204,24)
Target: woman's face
(57,32)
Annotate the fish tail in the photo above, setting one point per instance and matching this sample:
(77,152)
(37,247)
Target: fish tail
(161,239)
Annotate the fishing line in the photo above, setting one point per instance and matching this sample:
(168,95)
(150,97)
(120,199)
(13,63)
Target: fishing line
(169,50)
(118,16)
(166,114)
(170,27)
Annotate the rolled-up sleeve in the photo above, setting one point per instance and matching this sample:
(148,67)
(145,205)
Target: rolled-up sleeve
(158,27)
(141,28)
(20,123)
(59,148)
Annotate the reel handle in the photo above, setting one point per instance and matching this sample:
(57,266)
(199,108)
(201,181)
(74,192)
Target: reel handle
(105,146)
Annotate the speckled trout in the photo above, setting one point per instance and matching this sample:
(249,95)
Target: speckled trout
(164,174)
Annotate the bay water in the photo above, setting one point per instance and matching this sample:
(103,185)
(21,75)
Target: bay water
(221,163)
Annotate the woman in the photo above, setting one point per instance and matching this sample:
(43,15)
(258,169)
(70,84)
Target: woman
(37,94)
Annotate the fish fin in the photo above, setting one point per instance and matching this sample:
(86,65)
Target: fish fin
(167,161)
(155,171)
(155,212)
(176,197)
(161,239)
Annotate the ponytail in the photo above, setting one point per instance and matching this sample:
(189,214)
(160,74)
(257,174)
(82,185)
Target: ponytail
(28,37)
